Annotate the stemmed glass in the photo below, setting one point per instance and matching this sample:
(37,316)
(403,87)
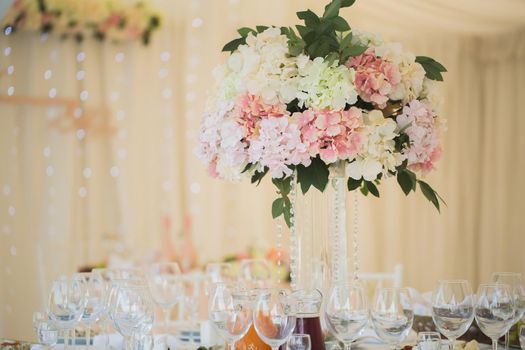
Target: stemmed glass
(274,316)
(96,290)
(66,304)
(230,313)
(494,310)
(453,308)
(346,312)
(45,329)
(299,342)
(516,283)
(218,273)
(165,286)
(392,315)
(132,310)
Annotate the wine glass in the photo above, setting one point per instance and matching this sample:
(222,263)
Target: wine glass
(274,316)
(230,313)
(428,341)
(132,311)
(299,342)
(255,273)
(392,315)
(45,329)
(165,286)
(494,310)
(66,303)
(453,308)
(516,283)
(346,312)
(96,290)
(522,336)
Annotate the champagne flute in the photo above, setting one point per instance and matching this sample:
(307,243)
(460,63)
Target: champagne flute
(66,303)
(392,315)
(516,283)
(274,317)
(96,290)
(453,308)
(229,312)
(346,312)
(299,342)
(165,286)
(494,310)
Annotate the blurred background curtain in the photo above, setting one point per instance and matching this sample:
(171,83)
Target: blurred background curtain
(97,149)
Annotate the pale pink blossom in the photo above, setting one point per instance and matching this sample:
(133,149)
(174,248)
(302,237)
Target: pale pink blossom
(333,135)
(277,146)
(423,128)
(375,78)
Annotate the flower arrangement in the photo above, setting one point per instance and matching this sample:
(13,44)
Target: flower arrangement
(298,101)
(114,20)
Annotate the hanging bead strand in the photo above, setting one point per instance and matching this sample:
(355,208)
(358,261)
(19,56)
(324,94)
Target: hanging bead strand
(355,236)
(293,237)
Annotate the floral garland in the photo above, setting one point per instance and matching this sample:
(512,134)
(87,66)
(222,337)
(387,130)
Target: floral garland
(287,102)
(103,19)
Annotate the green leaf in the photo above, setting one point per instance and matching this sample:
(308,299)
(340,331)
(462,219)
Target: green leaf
(346,41)
(332,9)
(309,18)
(284,185)
(303,30)
(372,188)
(429,193)
(347,3)
(258,176)
(433,68)
(244,31)
(407,180)
(340,24)
(353,184)
(261,29)
(364,190)
(314,175)
(277,207)
(234,44)
(331,58)
(287,212)
(354,50)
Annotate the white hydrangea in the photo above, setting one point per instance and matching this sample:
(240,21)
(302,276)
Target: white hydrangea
(431,95)
(412,73)
(228,86)
(322,85)
(364,38)
(377,154)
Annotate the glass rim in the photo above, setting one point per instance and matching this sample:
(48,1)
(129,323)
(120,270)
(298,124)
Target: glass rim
(493,285)
(393,289)
(453,281)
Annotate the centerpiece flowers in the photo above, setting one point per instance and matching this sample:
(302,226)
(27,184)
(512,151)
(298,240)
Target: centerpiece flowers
(295,102)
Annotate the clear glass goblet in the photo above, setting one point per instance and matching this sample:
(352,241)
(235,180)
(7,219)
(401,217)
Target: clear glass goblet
(218,273)
(494,310)
(165,287)
(299,342)
(453,308)
(392,315)
(274,316)
(230,313)
(132,311)
(96,291)
(346,312)
(516,283)
(255,273)
(66,304)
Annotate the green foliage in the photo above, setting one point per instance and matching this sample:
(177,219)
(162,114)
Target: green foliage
(283,205)
(371,188)
(407,180)
(433,68)
(258,176)
(353,184)
(314,175)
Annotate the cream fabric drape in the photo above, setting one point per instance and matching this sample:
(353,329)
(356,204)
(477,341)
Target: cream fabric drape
(77,185)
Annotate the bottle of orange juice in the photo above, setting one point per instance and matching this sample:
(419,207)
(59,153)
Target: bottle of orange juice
(251,341)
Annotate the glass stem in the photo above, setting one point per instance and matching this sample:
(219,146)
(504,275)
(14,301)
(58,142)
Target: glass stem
(348,346)
(167,319)
(66,339)
(231,346)
(128,343)
(495,344)
(74,337)
(452,344)
(88,337)
(507,340)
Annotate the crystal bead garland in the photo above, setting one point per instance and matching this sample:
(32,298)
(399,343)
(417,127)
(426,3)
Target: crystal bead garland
(355,236)
(293,237)
(337,230)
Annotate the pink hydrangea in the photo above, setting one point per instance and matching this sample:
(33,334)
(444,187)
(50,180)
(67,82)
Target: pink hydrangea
(334,135)
(423,128)
(278,145)
(375,78)
(250,109)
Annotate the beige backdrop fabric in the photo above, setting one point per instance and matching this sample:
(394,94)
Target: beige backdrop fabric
(70,197)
